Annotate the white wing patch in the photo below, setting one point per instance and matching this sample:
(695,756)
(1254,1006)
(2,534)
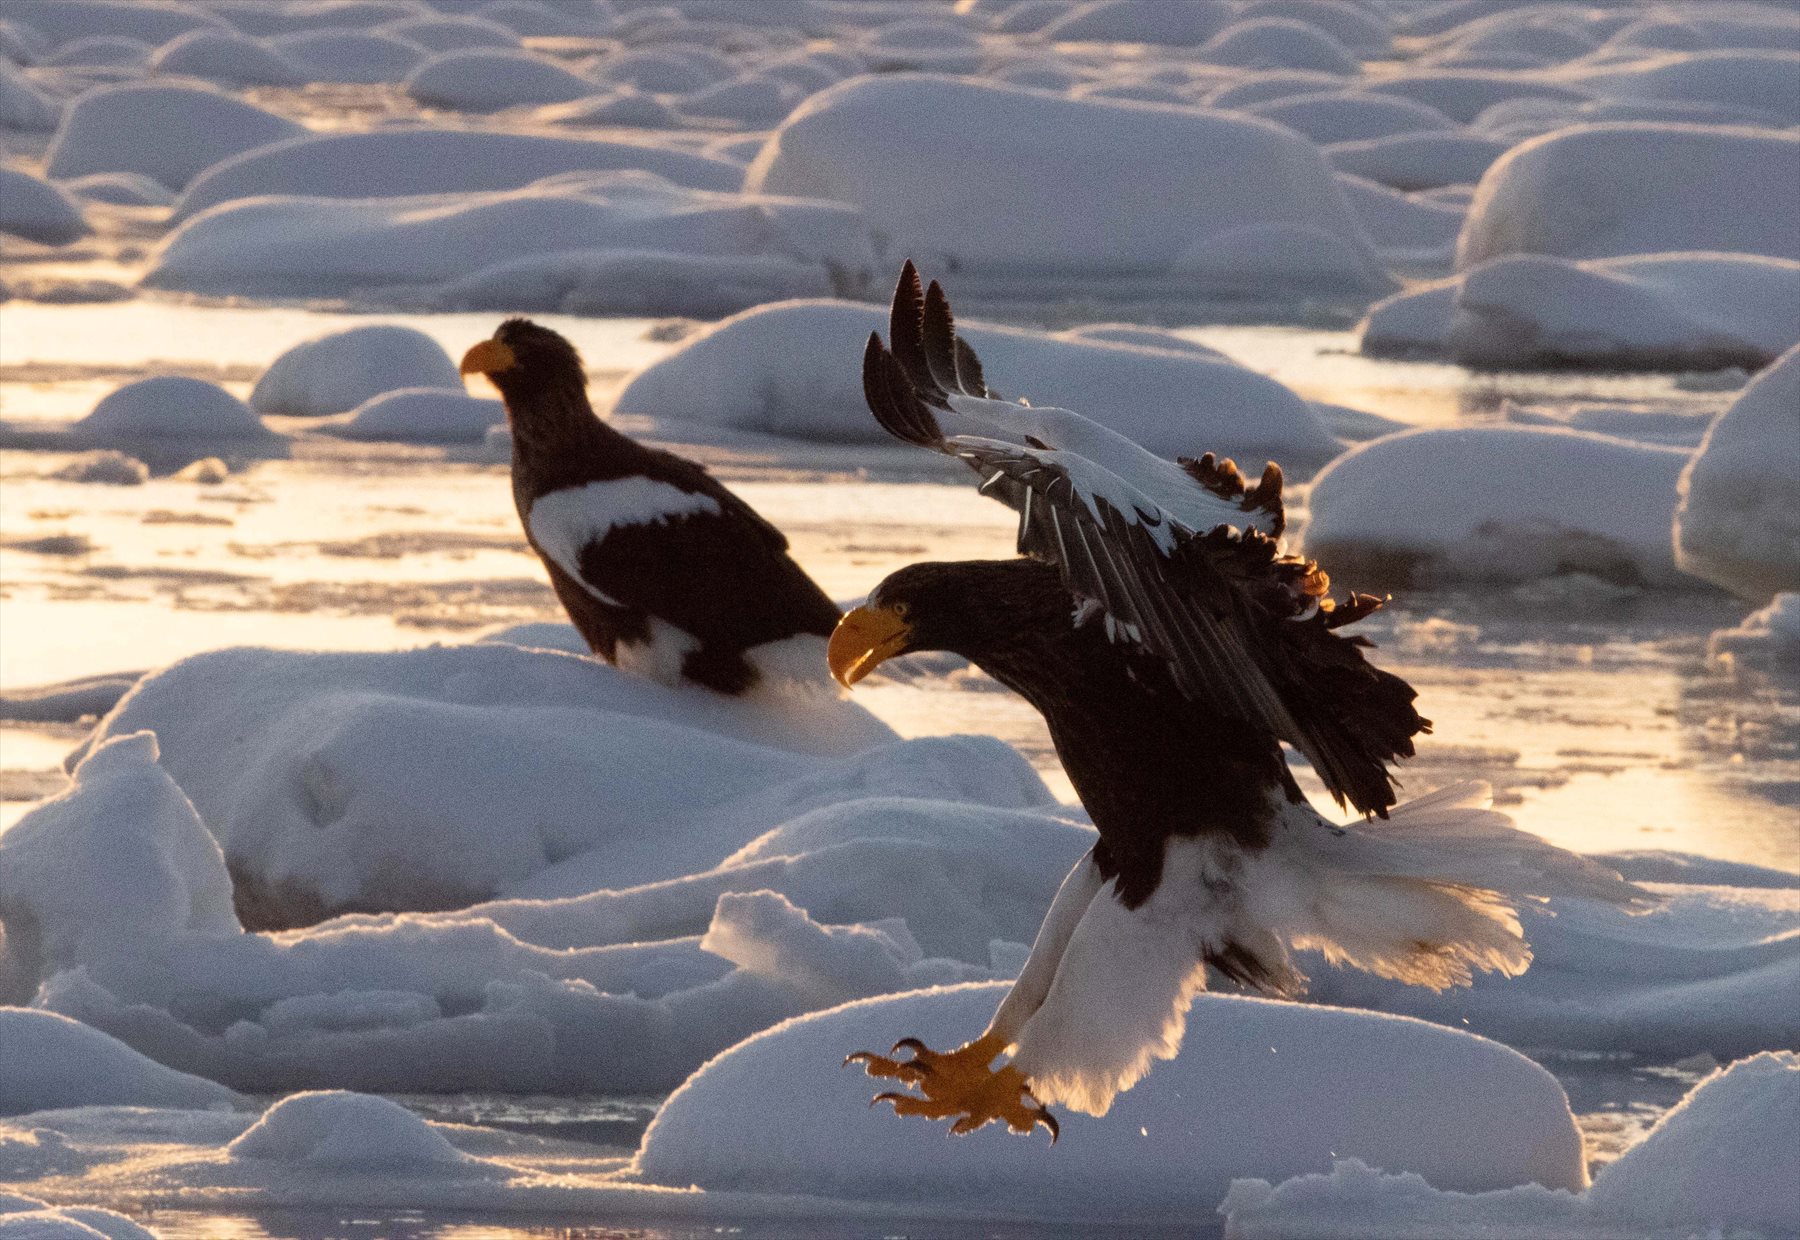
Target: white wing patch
(563,522)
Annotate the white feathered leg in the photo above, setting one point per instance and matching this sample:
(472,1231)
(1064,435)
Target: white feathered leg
(1027,995)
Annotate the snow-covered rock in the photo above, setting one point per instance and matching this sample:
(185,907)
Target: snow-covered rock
(52,1062)
(488,79)
(620,242)
(171,405)
(38,210)
(1655,311)
(1596,191)
(1496,504)
(1769,637)
(1046,188)
(169,132)
(1301,1084)
(357,56)
(792,369)
(226,57)
(1723,1162)
(1739,520)
(346,1131)
(344,369)
(423,415)
(393,163)
(23,104)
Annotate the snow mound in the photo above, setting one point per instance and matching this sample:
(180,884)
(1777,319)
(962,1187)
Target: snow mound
(171,405)
(129,189)
(26,1218)
(226,57)
(488,79)
(338,1129)
(115,861)
(423,415)
(1123,21)
(1464,94)
(621,106)
(23,105)
(1350,115)
(52,1062)
(1355,25)
(1656,311)
(344,369)
(353,56)
(753,99)
(37,210)
(402,162)
(618,242)
(1723,1162)
(450,34)
(153,21)
(790,369)
(1405,226)
(1739,520)
(1278,43)
(1767,637)
(1496,504)
(774,1114)
(1410,161)
(1044,187)
(101,52)
(1759,80)
(1600,190)
(658,72)
(68,701)
(106,467)
(169,132)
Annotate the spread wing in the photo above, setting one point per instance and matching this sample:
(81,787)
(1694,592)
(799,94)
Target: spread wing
(1243,629)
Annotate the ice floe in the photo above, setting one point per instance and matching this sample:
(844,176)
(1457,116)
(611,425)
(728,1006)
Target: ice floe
(52,1062)
(23,104)
(226,57)
(1497,504)
(1330,116)
(783,369)
(1426,160)
(1595,191)
(106,466)
(354,56)
(772,1115)
(1121,21)
(169,132)
(344,369)
(171,406)
(1101,192)
(1278,43)
(1652,311)
(488,79)
(423,415)
(38,210)
(1769,637)
(1739,520)
(1721,1163)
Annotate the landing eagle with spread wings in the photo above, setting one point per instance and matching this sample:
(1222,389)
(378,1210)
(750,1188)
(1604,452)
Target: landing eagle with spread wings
(1172,648)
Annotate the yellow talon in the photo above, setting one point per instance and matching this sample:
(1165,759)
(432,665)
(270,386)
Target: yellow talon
(959,1086)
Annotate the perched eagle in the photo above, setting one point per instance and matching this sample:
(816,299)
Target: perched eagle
(1171,648)
(664,571)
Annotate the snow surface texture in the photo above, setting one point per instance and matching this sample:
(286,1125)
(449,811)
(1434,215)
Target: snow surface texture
(583,242)
(1661,311)
(1738,523)
(1595,191)
(343,370)
(1079,189)
(1723,1162)
(1497,504)
(790,369)
(1258,1083)
(171,133)
(53,1062)
(171,406)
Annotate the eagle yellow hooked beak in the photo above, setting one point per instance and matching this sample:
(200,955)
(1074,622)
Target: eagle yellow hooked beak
(487,358)
(863,639)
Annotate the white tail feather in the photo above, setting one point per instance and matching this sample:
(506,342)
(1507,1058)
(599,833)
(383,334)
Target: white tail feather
(1428,897)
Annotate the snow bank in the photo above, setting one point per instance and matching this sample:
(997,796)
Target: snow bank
(790,369)
(171,406)
(1767,637)
(1041,187)
(1739,520)
(1656,311)
(1595,191)
(37,210)
(226,57)
(1723,1162)
(488,79)
(52,1062)
(774,1114)
(345,369)
(1496,504)
(404,161)
(423,415)
(618,242)
(347,1131)
(169,132)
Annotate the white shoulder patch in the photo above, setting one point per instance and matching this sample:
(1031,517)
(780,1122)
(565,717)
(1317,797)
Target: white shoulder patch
(563,522)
